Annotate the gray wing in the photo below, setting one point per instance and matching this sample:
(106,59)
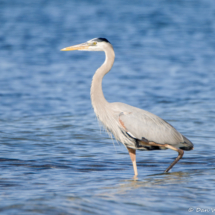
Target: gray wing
(142,124)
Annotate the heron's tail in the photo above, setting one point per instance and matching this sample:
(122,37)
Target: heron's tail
(187,145)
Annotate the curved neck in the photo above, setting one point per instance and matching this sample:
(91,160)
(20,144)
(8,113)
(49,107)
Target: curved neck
(97,96)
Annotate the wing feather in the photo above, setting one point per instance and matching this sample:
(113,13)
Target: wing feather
(142,124)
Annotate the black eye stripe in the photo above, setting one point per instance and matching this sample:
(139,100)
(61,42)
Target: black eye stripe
(101,40)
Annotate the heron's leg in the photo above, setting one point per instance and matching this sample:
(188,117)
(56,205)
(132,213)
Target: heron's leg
(180,155)
(180,152)
(132,153)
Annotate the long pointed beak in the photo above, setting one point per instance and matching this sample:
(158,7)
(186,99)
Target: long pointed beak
(82,46)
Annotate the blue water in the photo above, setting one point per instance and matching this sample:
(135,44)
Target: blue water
(54,157)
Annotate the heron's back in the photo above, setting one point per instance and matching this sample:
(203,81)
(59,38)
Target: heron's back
(140,124)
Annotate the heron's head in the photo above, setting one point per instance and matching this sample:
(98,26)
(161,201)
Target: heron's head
(97,44)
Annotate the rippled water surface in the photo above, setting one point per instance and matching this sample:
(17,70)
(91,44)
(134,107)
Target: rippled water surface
(54,157)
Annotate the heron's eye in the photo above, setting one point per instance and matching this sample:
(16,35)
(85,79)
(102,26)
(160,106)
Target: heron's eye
(94,43)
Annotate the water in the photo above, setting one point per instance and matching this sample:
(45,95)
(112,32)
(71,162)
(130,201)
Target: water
(54,157)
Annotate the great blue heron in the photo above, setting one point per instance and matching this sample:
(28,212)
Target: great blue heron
(137,129)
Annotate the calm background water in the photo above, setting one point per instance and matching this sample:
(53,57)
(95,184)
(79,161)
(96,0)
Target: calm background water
(54,157)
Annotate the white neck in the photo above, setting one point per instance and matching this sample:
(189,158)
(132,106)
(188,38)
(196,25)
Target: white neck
(97,97)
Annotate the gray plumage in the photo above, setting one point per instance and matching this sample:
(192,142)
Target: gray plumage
(134,127)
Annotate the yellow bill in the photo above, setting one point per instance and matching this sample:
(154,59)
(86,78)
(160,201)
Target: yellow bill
(83,46)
